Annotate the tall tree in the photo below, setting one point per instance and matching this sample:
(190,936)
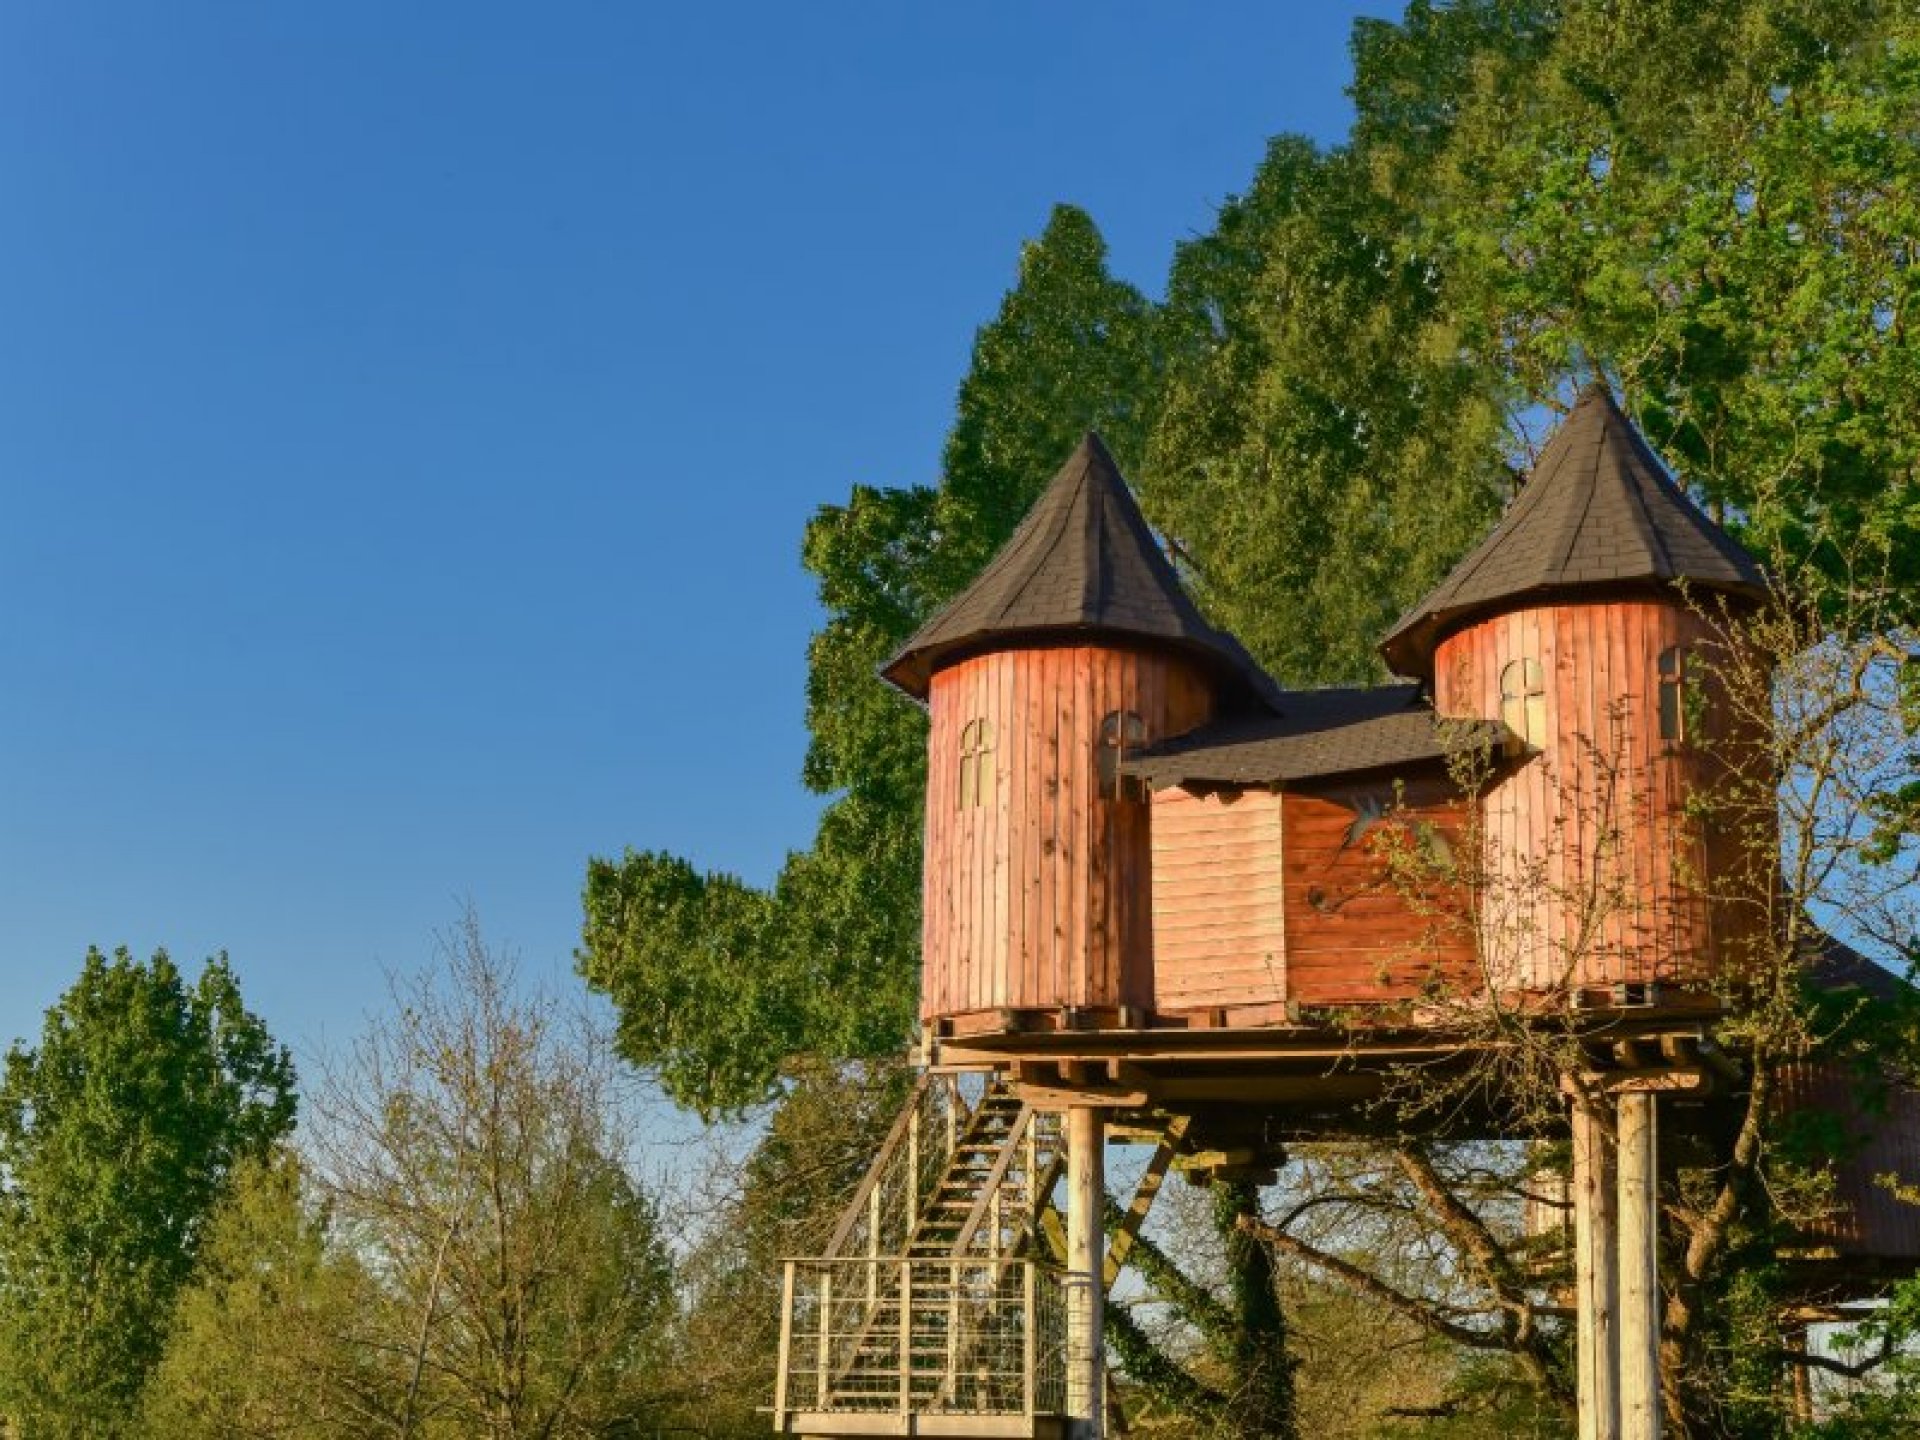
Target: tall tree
(118,1134)
(1715,205)
(471,1154)
(1320,443)
(718,983)
(260,1347)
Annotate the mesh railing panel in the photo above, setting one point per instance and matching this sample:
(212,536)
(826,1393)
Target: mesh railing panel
(969,1336)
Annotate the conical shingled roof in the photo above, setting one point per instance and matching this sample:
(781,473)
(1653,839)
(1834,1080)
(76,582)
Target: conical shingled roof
(1082,562)
(1599,509)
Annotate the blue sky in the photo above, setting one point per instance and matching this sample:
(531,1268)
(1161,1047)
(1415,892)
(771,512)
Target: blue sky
(408,415)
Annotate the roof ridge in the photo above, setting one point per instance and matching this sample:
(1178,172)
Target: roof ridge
(1050,544)
(1647,474)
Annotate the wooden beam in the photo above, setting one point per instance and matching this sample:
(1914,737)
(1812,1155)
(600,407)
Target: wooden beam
(1639,1267)
(1655,1079)
(1270,1089)
(1016,1134)
(1086,1295)
(1595,1252)
(1059,1097)
(1120,1244)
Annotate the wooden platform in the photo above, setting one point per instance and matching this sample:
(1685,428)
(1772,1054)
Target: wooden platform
(959,1427)
(1252,1088)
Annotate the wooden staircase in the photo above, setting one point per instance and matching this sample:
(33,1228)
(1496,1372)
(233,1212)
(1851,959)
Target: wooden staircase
(934,1304)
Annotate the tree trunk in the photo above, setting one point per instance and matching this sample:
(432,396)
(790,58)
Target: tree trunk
(1260,1403)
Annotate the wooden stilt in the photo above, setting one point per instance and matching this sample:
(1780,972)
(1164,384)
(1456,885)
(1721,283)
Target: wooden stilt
(1638,1126)
(1595,1247)
(1086,1297)
(1801,1378)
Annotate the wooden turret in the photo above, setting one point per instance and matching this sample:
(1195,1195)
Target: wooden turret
(1075,646)
(1585,624)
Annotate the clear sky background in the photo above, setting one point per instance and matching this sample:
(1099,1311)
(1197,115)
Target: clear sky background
(409,413)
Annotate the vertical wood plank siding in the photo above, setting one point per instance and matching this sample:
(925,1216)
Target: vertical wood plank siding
(1879,1135)
(1038,897)
(1595,874)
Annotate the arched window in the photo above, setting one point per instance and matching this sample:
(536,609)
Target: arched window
(1121,733)
(1683,700)
(1523,701)
(976,763)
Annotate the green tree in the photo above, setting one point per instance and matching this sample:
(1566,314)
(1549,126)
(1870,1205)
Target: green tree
(471,1155)
(1320,438)
(260,1346)
(1713,204)
(718,983)
(118,1135)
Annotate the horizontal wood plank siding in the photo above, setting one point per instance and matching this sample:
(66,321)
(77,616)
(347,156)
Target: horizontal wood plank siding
(1878,1135)
(1357,932)
(1217,900)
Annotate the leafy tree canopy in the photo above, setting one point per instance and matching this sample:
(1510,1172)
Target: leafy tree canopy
(718,983)
(118,1133)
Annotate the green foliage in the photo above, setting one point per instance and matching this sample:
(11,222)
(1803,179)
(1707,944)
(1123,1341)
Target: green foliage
(719,984)
(1715,205)
(463,1253)
(1320,440)
(683,957)
(472,1156)
(1260,1400)
(118,1135)
(256,1347)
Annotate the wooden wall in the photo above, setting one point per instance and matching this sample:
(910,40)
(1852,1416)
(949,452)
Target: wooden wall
(1867,1220)
(1595,874)
(1218,925)
(1356,932)
(1261,898)
(1038,898)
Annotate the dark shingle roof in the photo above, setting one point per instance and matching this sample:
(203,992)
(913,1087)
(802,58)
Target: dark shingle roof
(1083,561)
(1317,735)
(1599,509)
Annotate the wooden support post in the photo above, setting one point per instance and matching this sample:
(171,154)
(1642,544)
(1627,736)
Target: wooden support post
(1800,1377)
(873,1248)
(1029,1325)
(1086,1206)
(906,1336)
(1595,1252)
(824,1381)
(913,1174)
(784,1366)
(1638,1126)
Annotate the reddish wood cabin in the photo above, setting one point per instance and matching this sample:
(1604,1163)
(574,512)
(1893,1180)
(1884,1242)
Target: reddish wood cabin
(1130,826)
(1177,902)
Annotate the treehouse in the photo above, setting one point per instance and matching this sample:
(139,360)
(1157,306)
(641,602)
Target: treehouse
(1166,899)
